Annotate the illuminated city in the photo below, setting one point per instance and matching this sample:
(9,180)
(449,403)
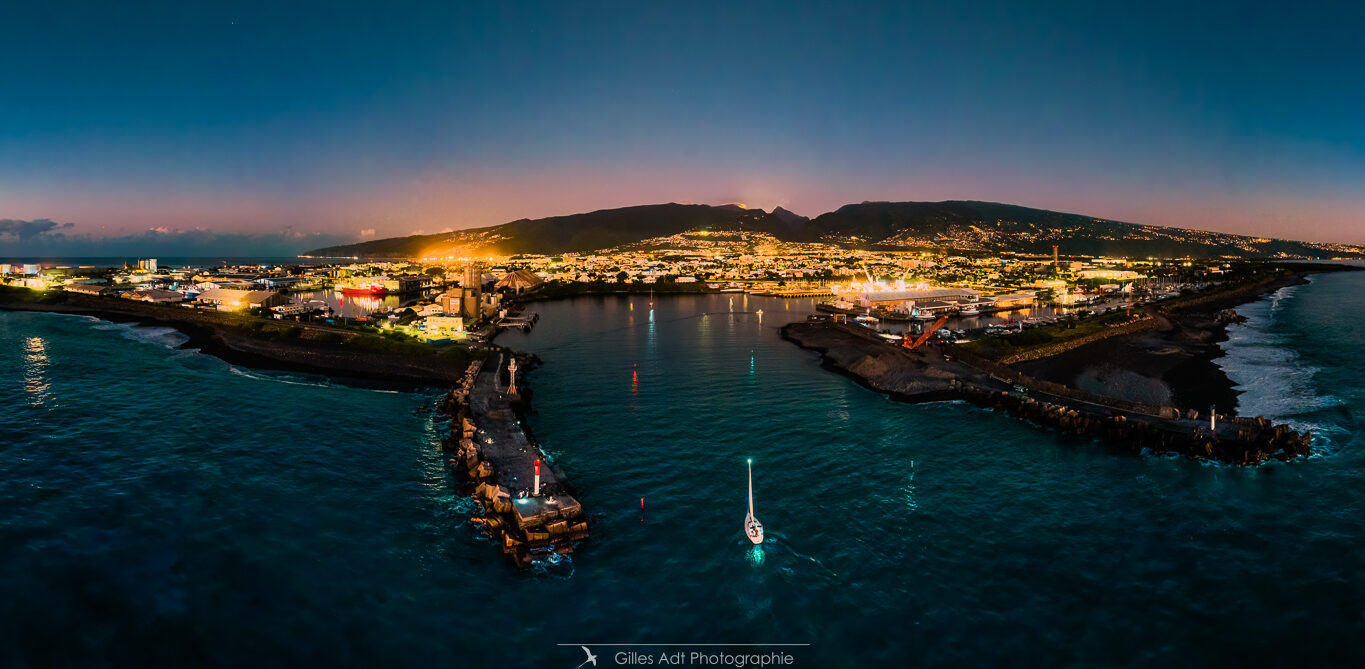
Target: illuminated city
(712,335)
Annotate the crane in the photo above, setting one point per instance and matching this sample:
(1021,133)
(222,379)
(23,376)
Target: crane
(928,332)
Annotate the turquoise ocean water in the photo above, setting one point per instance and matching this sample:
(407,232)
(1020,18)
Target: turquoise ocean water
(160,507)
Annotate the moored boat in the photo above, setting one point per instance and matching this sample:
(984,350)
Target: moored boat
(840,306)
(366,288)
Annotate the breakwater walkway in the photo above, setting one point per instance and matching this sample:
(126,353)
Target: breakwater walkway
(932,373)
(495,457)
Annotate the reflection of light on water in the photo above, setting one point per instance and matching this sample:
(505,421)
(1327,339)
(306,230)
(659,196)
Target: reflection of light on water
(755,556)
(35,367)
(910,490)
(351,306)
(365,302)
(653,332)
(362,305)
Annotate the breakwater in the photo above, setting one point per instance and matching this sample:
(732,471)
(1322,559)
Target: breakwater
(497,462)
(933,374)
(1242,441)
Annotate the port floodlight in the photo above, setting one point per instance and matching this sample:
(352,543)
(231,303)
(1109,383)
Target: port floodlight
(751,460)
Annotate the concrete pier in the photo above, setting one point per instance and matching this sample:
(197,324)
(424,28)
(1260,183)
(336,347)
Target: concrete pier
(523,322)
(495,456)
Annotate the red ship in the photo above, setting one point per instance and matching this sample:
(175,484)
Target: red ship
(364,289)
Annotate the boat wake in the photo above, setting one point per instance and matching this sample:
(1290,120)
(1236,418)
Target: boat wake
(790,560)
(819,566)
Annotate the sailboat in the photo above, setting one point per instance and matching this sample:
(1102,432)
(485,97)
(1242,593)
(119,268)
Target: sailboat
(752,528)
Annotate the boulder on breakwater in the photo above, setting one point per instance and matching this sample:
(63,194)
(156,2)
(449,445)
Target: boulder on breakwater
(524,525)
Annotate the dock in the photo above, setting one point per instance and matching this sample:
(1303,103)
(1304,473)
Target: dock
(798,292)
(495,458)
(523,322)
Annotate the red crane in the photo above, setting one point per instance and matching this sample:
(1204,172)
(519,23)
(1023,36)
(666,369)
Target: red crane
(927,333)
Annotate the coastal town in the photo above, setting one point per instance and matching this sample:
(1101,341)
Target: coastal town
(728,335)
(919,326)
(444,300)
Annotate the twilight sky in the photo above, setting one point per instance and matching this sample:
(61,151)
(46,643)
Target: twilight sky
(273,127)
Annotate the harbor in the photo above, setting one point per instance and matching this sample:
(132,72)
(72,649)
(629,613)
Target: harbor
(371,528)
(721,335)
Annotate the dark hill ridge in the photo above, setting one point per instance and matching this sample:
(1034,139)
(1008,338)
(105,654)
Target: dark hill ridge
(952,225)
(793,221)
(575,233)
(989,226)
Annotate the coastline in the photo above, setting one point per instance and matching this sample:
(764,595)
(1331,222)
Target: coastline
(217,335)
(495,472)
(1171,363)
(1150,386)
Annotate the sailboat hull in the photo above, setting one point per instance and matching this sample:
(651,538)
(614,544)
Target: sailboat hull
(753,529)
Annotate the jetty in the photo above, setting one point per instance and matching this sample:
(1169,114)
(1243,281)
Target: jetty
(523,322)
(798,292)
(939,372)
(525,503)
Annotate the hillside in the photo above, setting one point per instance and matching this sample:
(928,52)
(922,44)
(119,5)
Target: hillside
(575,233)
(952,225)
(988,226)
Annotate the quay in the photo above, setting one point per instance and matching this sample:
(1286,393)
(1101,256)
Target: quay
(523,322)
(798,292)
(497,461)
(934,373)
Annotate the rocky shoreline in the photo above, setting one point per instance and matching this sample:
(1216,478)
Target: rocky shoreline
(1172,361)
(212,334)
(1149,387)
(932,374)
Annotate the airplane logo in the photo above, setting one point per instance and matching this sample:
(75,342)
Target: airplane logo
(591,658)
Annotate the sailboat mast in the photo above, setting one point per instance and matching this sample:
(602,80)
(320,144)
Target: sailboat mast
(751,487)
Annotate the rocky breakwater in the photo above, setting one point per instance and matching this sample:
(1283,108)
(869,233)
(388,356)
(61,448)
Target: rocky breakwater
(932,373)
(918,375)
(495,459)
(1240,441)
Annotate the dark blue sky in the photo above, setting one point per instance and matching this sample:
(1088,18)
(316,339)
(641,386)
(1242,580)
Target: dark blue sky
(283,123)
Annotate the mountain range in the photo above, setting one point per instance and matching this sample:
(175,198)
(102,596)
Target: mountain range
(955,225)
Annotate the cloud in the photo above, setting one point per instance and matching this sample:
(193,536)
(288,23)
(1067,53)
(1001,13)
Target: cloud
(367,232)
(12,230)
(45,238)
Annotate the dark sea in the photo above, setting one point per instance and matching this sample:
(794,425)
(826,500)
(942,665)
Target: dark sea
(162,508)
